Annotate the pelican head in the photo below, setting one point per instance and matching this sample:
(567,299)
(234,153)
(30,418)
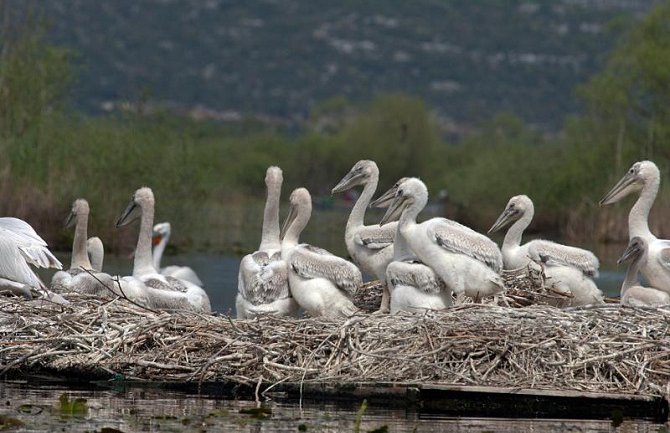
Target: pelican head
(384,200)
(273,176)
(411,192)
(79,207)
(636,248)
(516,207)
(133,211)
(359,174)
(160,231)
(633,181)
(301,203)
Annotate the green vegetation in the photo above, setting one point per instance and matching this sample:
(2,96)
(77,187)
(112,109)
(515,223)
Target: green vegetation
(207,177)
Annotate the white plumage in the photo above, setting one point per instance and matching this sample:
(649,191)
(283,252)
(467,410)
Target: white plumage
(466,261)
(262,281)
(321,283)
(568,269)
(160,239)
(370,246)
(645,178)
(632,293)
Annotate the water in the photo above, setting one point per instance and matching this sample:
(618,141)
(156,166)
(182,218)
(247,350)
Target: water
(39,408)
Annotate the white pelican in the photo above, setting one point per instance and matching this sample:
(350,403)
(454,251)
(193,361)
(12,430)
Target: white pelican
(162,292)
(413,286)
(644,177)
(321,283)
(262,281)
(466,261)
(370,247)
(81,276)
(96,252)
(21,246)
(569,269)
(161,236)
(632,293)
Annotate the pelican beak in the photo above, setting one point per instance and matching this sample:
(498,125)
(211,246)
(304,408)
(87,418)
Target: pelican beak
(632,250)
(620,190)
(396,208)
(128,214)
(70,219)
(156,239)
(292,214)
(347,182)
(508,216)
(385,199)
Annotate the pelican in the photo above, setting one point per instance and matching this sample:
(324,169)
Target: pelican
(466,261)
(321,283)
(644,177)
(413,286)
(161,236)
(370,247)
(162,292)
(632,293)
(96,252)
(21,246)
(81,276)
(262,281)
(570,269)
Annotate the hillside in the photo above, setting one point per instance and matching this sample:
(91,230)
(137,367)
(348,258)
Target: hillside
(278,58)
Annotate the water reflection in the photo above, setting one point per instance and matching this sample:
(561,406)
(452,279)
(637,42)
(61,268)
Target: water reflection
(149,410)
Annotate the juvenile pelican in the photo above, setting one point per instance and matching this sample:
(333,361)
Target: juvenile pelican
(81,277)
(644,177)
(161,236)
(370,247)
(632,293)
(466,261)
(262,281)
(163,292)
(321,283)
(96,252)
(21,246)
(570,269)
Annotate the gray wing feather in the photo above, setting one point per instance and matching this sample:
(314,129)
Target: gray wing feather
(414,274)
(13,265)
(553,254)
(263,283)
(313,262)
(460,239)
(33,248)
(375,237)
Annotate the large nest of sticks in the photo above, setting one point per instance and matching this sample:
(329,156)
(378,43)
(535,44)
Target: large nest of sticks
(601,349)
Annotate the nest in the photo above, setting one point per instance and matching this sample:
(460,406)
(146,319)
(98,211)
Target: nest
(599,349)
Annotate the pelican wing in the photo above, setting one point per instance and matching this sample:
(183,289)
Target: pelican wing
(263,279)
(664,254)
(13,264)
(376,237)
(553,254)
(457,238)
(312,262)
(32,246)
(414,274)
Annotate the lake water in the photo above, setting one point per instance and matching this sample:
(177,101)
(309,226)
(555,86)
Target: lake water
(106,409)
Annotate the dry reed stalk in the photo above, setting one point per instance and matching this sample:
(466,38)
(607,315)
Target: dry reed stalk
(599,349)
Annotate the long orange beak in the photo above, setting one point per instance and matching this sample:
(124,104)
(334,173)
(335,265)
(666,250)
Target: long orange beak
(155,240)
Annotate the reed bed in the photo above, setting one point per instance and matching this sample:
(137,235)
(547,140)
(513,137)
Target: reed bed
(599,349)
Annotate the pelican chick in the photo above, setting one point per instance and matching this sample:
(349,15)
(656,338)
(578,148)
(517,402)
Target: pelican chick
(160,238)
(321,283)
(632,293)
(162,292)
(569,269)
(262,280)
(81,276)
(466,261)
(371,246)
(645,178)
